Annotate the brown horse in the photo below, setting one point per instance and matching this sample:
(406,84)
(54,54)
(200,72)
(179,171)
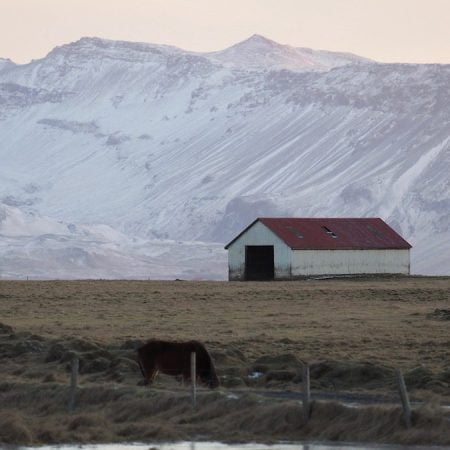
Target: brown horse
(174,358)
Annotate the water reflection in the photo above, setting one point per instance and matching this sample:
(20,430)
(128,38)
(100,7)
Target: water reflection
(221,446)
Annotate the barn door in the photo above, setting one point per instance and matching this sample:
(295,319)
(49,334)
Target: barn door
(259,263)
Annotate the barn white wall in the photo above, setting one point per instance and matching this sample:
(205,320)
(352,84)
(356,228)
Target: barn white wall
(258,234)
(316,262)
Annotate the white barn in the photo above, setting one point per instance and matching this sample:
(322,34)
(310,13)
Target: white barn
(290,248)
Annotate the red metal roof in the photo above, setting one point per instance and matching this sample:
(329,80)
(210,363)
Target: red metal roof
(333,233)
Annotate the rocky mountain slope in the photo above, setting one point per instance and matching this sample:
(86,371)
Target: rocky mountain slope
(163,145)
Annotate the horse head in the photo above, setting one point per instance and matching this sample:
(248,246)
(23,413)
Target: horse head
(213,379)
(213,382)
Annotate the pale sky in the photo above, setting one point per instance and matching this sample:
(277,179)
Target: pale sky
(384,30)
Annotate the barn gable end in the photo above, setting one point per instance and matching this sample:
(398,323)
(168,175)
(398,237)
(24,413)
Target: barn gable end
(240,249)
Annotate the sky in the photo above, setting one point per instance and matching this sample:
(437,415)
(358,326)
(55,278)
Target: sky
(415,31)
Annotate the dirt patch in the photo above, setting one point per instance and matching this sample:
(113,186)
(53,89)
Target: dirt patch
(440,314)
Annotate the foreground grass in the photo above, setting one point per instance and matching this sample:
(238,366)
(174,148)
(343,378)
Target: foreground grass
(352,332)
(38,414)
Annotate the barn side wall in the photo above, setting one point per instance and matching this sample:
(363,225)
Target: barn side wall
(258,234)
(340,262)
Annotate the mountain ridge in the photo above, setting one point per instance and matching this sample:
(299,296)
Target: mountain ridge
(297,58)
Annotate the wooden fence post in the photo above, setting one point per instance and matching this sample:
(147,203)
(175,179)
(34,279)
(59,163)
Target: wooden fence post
(306,393)
(194,379)
(404,398)
(73,382)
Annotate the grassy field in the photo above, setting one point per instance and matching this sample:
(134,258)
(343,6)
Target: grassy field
(353,332)
(388,320)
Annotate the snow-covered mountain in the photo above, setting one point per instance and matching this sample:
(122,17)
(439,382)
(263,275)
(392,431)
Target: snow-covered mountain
(5,64)
(157,143)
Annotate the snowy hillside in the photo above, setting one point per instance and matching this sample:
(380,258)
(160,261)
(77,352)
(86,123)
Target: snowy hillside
(159,145)
(38,247)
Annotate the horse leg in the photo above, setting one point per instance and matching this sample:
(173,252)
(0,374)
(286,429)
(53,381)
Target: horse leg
(186,375)
(186,379)
(152,375)
(149,371)
(143,372)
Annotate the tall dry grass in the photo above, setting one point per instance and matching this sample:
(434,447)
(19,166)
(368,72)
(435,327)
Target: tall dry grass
(149,415)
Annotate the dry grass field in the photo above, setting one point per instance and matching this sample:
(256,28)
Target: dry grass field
(353,332)
(387,320)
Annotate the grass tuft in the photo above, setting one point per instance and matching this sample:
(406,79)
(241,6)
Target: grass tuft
(13,429)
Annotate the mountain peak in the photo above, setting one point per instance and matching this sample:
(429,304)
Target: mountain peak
(257,42)
(260,53)
(258,39)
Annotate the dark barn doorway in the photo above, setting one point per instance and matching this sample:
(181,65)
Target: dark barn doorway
(259,263)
